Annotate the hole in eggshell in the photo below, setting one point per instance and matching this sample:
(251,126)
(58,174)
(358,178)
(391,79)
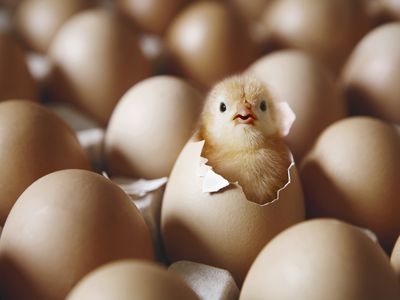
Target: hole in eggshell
(227,185)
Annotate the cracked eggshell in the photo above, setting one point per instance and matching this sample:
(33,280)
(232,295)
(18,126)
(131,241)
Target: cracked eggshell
(321,259)
(221,229)
(132,279)
(65,225)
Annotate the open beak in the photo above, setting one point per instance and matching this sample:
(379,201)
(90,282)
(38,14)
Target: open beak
(244,115)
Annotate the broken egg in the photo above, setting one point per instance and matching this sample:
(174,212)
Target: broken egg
(321,259)
(206,219)
(65,225)
(131,279)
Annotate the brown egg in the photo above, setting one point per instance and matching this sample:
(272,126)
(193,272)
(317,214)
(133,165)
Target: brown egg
(34,142)
(222,228)
(37,21)
(150,126)
(352,173)
(15,79)
(250,10)
(371,77)
(295,77)
(395,258)
(391,8)
(65,225)
(96,59)
(321,259)
(131,279)
(152,16)
(327,29)
(207,42)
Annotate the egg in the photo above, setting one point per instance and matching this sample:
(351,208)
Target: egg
(152,16)
(207,42)
(321,259)
(295,77)
(131,279)
(352,174)
(96,59)
(37,21)
(395,257)
(150,126)
(34,142)
(371,76)
(66,224)
(327,29)
(15,79)
(223,228)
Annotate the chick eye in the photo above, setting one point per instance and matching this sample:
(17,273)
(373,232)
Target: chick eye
(263,105)
(222,107)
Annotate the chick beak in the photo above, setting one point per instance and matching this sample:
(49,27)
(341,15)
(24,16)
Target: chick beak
(244,114)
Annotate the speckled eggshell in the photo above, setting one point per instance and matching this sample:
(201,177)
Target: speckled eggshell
(321,259)
(96,60)
(150,126)
(65,225)
(371,77)
(352,173)
(131,279)
(221,229)
(294,77)
(34,142)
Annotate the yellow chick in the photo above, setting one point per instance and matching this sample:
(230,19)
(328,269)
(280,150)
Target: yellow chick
(243,141)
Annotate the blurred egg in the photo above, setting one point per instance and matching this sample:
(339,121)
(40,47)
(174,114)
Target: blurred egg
(372,75)
(221,229)
(395,258)
(207,42)
(250,10)
(321,259)
(37,21)
(352,173)
(152,16)
(131,279)
(65,225)
(96,59)
(15,79)
(150,126)
(327,29)
(295,77)
(34,142)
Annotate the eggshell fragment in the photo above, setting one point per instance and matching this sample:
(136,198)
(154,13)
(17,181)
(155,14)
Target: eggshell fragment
(327,29)
(150,126)
(96,59)
(308,87)
(352,173)
(131,279)
(15,79)
(63,226)
(221,229)
(152,16)
(37,21)
(207,42)
(372,74)
(34,142)
(321,259)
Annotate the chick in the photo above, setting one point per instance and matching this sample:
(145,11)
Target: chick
(240,127)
